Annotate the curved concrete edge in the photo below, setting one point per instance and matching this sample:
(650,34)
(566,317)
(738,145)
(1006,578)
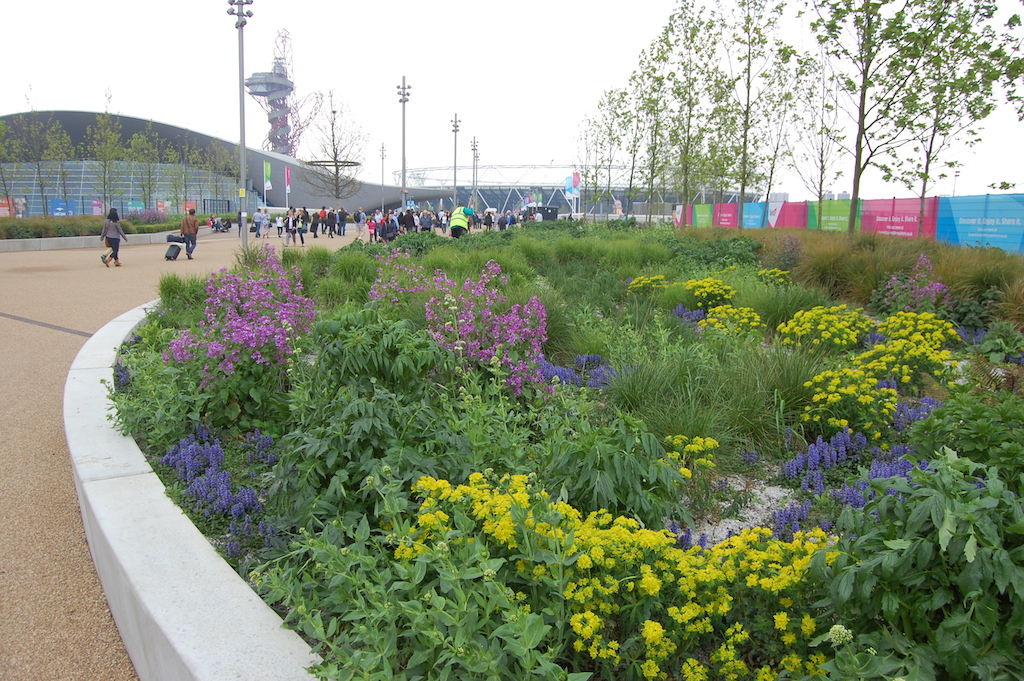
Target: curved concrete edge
(182,612)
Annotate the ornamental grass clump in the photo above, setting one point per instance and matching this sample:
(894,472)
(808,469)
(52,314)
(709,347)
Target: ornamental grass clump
(241,349)
(709,292)
(829,329)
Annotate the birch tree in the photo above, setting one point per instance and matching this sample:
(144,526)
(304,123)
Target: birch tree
(963,59)
(753,51)
(817,148)
(875,60)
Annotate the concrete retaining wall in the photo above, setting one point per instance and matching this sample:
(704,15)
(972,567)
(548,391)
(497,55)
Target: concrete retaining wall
(62,242)
(183,613)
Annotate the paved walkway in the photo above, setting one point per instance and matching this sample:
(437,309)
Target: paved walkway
(54,622)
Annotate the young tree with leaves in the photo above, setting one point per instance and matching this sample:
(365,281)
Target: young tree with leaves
(608,141)
(649,86)
(59,154)
(338,144)
(180,174)
(817,149)
(144,155)
(695,69)
(586,162)
(30,130)
(876,60)
(964,57)
(10,157)
(105,148)
(780,102)
(753,52)
(632,131)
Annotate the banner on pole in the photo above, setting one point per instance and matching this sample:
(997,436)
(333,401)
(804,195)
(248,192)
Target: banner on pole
(266,177)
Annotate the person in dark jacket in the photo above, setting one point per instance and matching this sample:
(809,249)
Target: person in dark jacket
(112,235)
(409,221)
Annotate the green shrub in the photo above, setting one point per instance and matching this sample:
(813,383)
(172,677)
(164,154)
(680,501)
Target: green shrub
(935,563)
(988,429)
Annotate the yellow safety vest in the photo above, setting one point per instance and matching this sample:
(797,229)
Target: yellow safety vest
(460,219)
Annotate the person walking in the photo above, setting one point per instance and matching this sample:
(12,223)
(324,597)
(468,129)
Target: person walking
(112,235)
(189,231)
(291,229)
(332,222)
(342,220)
(304,223)
(409,221)
(360,220)
(280,225)
(426,222)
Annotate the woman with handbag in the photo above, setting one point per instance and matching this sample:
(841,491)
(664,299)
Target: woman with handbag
(112,235)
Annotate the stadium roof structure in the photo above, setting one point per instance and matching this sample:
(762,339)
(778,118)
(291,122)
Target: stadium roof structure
(77,124)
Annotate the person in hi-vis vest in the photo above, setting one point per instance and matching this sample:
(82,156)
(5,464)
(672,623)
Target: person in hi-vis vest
(460,220)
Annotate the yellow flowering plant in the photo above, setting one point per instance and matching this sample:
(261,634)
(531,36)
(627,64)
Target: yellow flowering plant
(741,321)
(906,361)
(636,606)
(848,398)
(828,329)
(641,284)
(775,277)
(694,458)
(709,292)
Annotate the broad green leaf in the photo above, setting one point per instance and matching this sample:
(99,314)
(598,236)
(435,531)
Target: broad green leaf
(971,548)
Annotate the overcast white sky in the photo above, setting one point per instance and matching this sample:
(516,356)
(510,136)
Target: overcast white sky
(521,75)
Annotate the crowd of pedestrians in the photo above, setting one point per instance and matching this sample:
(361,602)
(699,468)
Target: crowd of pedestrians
(296,223)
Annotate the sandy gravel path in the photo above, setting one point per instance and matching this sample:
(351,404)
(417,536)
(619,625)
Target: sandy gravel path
(54,622)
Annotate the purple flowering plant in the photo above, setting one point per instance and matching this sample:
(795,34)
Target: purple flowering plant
(917,291)
(207,487)
(242,346)
(467,318)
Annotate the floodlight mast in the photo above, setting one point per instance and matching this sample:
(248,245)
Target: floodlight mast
(455,164)
(241,14)
(403,97)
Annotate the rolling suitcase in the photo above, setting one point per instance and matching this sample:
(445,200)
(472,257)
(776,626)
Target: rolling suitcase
(175,239)
(173,251)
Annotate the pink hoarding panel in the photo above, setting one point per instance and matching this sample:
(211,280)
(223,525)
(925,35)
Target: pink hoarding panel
(899,217)
(790,215)
(726,215)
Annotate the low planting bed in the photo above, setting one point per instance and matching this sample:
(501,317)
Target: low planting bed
(493,458)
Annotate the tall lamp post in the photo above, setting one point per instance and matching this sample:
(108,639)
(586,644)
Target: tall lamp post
(956,175)
(238,10)
(455,164)
(382,179)
(476,157)
(403,97)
